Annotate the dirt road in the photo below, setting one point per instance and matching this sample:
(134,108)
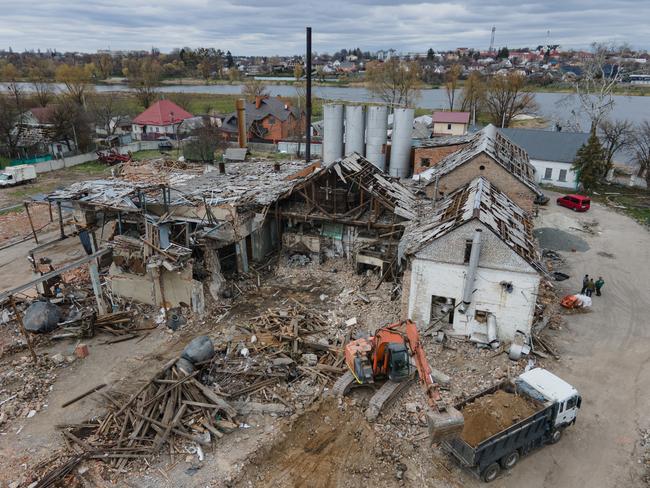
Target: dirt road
(605,354)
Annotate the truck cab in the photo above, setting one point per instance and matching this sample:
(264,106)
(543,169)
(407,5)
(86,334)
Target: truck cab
(545,386)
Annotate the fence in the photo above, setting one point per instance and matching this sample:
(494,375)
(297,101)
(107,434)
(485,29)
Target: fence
(68,162)
(34,160)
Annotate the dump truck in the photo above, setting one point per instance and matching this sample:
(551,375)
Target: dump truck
(15,175)
(549,405)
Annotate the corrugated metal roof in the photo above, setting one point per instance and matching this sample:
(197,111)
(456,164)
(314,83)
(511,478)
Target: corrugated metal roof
(547,145)
(477,200)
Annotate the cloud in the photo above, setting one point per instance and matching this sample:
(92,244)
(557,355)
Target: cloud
(249,27)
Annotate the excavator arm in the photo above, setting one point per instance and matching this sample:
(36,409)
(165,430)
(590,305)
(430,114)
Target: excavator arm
(445,422)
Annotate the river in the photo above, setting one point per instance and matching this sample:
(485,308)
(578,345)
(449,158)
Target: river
(555,107)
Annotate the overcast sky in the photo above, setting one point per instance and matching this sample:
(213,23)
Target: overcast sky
(277,26)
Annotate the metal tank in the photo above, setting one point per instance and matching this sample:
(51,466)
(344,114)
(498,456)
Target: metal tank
(376,129)
(400,151)
(355,130)
(332,132)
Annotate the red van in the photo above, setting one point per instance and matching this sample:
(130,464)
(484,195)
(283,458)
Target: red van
(577,203)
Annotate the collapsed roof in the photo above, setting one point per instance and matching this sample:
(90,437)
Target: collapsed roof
(491,142)
(477,200)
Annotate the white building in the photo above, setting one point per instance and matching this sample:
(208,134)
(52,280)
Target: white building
(473,256)
(552,153)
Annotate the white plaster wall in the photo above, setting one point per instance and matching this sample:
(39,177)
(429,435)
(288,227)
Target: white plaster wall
(540,171)
(456,129)
(513,311)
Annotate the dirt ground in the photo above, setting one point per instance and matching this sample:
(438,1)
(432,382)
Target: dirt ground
(604,353)
(493,413)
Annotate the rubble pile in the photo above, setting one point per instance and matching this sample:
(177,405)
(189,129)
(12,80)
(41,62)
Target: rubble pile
(15,225)
(645,458)
(24,387)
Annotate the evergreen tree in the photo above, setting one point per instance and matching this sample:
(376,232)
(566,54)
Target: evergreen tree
(229,61)
(504,52)
(430,54)
(590,163)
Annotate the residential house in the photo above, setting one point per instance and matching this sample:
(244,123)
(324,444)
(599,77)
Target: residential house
(450,123)
(427,153)
(269,119)
(490,154)
(469,261)
(161,119)
(552,153)
(119,129)
(36,134)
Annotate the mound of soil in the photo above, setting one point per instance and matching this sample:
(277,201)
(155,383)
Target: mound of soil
(490,414)
(320,449)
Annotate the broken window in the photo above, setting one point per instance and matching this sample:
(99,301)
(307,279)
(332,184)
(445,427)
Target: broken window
(442,310)
(481,316)
(426,162)
(468,250)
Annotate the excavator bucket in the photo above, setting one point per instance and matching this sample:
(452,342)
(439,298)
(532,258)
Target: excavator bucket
(445,425)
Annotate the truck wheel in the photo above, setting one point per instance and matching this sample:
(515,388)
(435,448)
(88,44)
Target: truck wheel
(491,472)
(508,461)
(556,435)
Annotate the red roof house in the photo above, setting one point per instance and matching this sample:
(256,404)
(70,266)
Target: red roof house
(450,123)
(160,120)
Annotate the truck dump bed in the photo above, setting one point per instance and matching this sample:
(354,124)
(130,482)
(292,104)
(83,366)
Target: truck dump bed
(480,445)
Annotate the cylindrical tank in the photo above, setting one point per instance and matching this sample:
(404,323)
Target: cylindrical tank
(355,130)
(332,132)
(377,127)
(400,150)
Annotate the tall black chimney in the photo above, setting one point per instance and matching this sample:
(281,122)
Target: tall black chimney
(308,101)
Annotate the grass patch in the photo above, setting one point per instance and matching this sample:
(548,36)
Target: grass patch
(147,154)
(91,168)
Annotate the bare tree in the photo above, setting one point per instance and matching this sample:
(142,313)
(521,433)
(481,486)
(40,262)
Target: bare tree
(205,141)
(104,64)
(144,77)
(473,94)
(12,113)
(506,97)
(108,110)
(253,89)
(393,81)
(40,81)
(182,99)
(297,124)
(615,135)
(641,146)
(595,87)
(76,80)
(451,84)
(70,122)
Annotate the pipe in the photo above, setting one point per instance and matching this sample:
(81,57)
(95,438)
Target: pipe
(471,271)
(308,99)
(492,330)
(241,122)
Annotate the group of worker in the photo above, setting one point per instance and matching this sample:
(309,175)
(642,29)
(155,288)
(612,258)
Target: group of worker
(589,286)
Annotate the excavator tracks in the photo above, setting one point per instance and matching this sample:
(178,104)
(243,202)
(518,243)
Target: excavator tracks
(343,385)
(384,396)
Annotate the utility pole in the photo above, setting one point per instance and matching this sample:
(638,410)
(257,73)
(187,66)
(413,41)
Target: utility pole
(308,99)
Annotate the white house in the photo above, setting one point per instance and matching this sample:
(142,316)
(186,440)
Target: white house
(551,153)
(473,256)
(162,119)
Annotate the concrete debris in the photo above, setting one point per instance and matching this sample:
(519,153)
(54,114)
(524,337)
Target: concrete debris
(199,350)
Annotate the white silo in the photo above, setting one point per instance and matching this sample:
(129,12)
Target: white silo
(355,129)
(332,132)
(400,150)
(377,127)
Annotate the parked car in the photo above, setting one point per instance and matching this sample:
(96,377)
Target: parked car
(577,203)
(165,144)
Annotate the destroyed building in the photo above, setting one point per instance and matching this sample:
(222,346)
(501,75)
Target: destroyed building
(179,225)
(470,260)
(491,155)
(349,208)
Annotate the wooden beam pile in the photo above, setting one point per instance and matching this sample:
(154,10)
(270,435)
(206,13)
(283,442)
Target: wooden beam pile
(165,414)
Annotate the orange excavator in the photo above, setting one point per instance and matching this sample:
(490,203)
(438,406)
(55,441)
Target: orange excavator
(390,355)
